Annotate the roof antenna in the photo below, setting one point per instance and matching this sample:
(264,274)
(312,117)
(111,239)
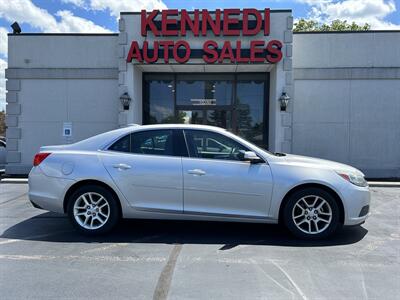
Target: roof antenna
(15,27)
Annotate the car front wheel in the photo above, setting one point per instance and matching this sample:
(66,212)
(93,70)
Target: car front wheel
(312,213)
(93,210)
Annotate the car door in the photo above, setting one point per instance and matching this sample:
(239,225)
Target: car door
(217,182)
(147,170)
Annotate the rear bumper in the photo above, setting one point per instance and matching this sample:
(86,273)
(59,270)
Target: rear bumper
(47,192)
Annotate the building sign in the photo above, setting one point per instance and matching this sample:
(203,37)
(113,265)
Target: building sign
(204,101)
(67,129)
(225,22)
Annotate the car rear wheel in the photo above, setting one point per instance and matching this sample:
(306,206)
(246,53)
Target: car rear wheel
(93,210)
(312,213)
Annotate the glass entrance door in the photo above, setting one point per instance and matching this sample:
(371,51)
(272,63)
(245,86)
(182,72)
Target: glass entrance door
(237,102)
(219,118)
(205,100)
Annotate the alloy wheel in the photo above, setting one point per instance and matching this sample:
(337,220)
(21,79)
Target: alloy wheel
(91,210)
(312,214)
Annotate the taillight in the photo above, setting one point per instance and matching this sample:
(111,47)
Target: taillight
(39,157)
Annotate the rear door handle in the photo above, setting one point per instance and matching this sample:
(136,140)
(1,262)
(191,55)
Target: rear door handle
(122,166)
(197,172)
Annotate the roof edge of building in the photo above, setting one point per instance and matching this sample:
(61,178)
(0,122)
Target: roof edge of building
(211,11)
(346,31)
(63,34)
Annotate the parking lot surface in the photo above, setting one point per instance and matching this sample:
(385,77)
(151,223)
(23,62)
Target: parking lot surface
(41,256)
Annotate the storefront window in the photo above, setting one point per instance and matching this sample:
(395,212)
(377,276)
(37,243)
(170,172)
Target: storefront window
(237,102)
(219,118)
(250,107)
(192,89)
(159,105)
(190,116)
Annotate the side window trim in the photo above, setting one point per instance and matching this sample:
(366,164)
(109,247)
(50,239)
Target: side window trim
(189,145)
(180,146)
(186,143)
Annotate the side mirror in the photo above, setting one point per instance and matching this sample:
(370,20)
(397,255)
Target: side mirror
(249,156)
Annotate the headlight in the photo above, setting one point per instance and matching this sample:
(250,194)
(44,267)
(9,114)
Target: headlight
(355,179)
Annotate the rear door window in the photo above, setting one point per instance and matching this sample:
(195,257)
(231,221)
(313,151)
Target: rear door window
(153,142)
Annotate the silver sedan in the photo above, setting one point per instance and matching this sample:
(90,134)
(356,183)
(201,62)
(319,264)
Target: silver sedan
(193,172)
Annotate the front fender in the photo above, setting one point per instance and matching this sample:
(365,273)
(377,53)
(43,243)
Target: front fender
(287,178)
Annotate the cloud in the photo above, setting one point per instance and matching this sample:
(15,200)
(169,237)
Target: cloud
(3,66)
(71,23)
(115,7)
(3,41)
(372,12)
(25,12)
(78,3)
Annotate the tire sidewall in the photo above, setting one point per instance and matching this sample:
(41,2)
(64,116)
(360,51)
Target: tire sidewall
(114,209)
(288,219)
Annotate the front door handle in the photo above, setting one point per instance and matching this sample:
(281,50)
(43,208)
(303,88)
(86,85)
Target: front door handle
(197,172)
(122,166)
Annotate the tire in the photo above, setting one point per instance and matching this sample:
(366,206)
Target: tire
(320,222)
(93,202)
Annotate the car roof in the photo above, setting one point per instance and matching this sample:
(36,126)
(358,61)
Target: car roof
(136,127)
(102,140)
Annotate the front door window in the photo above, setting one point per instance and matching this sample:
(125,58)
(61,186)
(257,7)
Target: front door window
(207,144)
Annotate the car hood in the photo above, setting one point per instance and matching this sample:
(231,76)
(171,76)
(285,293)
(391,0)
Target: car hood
(312,162)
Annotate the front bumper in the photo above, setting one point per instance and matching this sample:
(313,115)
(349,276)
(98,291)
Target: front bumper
(47,192)
(357,203)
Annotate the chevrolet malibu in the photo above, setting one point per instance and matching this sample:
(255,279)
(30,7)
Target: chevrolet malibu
(194,172)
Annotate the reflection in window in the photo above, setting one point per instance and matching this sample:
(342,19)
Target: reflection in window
(219,118)
(190,116)
(188,91)
(160,95)
(250,109)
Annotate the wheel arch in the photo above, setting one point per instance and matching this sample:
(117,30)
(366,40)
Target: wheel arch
(326,188)
(81,183)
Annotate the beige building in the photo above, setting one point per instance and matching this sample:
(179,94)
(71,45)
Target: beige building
(343,88)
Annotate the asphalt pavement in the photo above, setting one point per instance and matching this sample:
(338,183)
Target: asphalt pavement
(42,257)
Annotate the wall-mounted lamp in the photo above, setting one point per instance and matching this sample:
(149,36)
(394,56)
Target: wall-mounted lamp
(125,100)
(284,101)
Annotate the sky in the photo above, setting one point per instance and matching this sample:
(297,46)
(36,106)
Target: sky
(102,15)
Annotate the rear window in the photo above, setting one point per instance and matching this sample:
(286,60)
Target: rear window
(122,145)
